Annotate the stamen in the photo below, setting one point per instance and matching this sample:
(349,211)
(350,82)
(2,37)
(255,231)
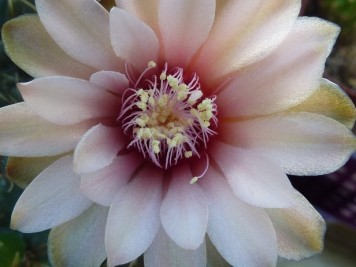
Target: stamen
(167,116)
(196,178)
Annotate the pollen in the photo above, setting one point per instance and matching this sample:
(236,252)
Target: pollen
(167,116)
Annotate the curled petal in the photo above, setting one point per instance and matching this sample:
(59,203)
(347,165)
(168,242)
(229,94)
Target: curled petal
(25,134)
(79,242)
(134,217)
(81,29)
(32,49)
(132,39)
(254,179)
(301,143)
(242,234)
(112,81)
(284,79)
(66,101)
(331,101)
(184,26)
(97,148)
(145,10)
(101,186)
(240,40)
(164,252)
(300,229)
(51,199)
(184,211)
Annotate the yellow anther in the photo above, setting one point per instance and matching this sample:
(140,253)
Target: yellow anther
(194,96)
(156,146)
(151,64)
(163,76)
(194,180)
(141,105)
(188,154)
(140,122)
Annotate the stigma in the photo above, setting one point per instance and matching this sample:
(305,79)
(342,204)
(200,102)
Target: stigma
(167,115)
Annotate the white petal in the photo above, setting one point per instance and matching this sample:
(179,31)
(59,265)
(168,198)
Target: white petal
(301,143)
(245,32)
(184,26)
(52,198)
(81,28)
(32,49)
(300,229)
(146,10)
(283,79)
(253,178)
(133,220)
(80,242)
(132,39)
(243,234)
(25,134)
(184,210)
(97,148)
(65,100)
(112,81)
(164,252)
(101,186)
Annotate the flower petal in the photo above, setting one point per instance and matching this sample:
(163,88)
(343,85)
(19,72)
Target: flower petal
(184,26)
(65,100)
(164,252)
(245,32)
(253,178)
(284,79)
(300,229)
(132,39)
(97,148)
(79,242)
(101,186)
(22,171)
(28,44)
(133,220)
(301,143)
(184,210)
(145,10)
(112,81)
(243,234)
(81,29)
(51,199)
(24,134)
(331,101)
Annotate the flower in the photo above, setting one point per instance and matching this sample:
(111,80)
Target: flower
(168,127)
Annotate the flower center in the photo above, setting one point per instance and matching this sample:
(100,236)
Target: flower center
(168,116)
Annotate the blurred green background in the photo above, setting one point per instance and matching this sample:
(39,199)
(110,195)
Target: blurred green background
(17,249)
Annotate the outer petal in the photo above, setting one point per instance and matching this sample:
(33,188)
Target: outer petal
(184,26)
(80,242)
(133,220)
(101,186)
(164,252)
(65,100)
(145,10)
(132,39)
(97,148)
(243,234)
(285,78)
(301,143)
(300,229)
(112,81)
(81,28)
(184,211)
(28,44)
(331,101)
(25,134)
(245,32)
(253,178)
(51,199)
(22,171)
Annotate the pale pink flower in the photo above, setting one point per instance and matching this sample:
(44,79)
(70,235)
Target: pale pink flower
(168,127)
